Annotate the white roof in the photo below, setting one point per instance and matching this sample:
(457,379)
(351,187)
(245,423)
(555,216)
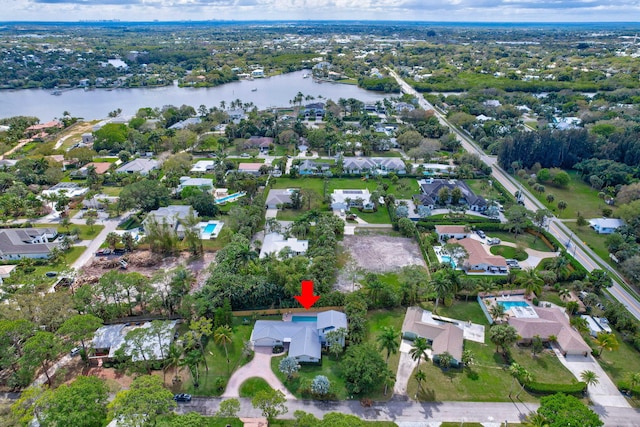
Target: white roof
(606,222)
(339,196)
(275,242)
(203,165)
(112,337)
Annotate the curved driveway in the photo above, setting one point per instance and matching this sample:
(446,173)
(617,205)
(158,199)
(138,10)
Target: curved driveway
(260,366)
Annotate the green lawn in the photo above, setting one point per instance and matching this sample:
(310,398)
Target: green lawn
(595,241)
(330,368)
(219,372)
(488,380)
(580,197)
(526,240)
(252,386)
(73,254)
(481,187)
(111,191)
(620,363)
(381,216)
(509,252)
(86,233)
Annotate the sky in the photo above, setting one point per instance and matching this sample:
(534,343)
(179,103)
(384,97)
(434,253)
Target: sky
(242,10)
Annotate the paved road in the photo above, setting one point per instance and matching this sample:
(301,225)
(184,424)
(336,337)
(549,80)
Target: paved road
(409,411)
(589,259)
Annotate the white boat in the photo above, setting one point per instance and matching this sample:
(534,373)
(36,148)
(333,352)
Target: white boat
(305,76)
(56,92)
(254,89)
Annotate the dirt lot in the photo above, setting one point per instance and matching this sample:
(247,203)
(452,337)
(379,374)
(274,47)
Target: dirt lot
(144,262)
(379,254)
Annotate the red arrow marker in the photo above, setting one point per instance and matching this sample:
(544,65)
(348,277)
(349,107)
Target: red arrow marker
(307,299)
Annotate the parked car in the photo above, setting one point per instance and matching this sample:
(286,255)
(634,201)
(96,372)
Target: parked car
(51,273)
(493,241)
(182,397)
(74,351)
(481,234)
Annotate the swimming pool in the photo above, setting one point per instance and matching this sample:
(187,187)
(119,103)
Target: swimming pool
(447,259)
(304,318)
(508,304)
(210,228)
(230,197)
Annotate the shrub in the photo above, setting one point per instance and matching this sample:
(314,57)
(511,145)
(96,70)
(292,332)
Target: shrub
(575,389)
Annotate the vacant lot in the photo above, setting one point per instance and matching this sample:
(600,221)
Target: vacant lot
(382,253)
(379,254)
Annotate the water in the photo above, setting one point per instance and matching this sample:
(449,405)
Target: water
(447,259)
(210,228)
(303,318)
(275,91)
(230,197)
(508,304)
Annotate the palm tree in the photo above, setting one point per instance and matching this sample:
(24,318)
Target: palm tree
(224,335)
(173,360)
(531,282)
(388,341)
(420,376)
(535,419)
(441,286)
(521,375)
(564,294)
(497,311)
(419,350)
(634,380)
(606,341)
(589,377)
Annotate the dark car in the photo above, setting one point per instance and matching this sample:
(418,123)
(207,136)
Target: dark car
(51,273)
(182,397)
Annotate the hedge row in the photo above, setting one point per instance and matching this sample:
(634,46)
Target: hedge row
(486,224)
(626,386)
(575,389)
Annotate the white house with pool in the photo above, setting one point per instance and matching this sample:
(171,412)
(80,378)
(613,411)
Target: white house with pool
(302,335)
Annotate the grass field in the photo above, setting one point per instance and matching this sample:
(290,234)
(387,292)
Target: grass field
(620,363)
(252,386)
(526,240)
(86,233)
(580,197)
(509,252)
(595,241)
(219,372)
(381,216)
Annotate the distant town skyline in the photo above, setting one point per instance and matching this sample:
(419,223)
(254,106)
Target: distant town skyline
(376,10)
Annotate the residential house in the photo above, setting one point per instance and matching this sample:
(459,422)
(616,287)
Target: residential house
(68,188)
(258,73)
(303,336)
(315,109)
(274,243)
(203,166)
(309,167)
(443,336)
(173,216)
(403,107)
(205,184)
(250,168)
(262,143)
(110,338)
(551,322)
(446,232)
(605,225)
(277,198)
(430,194)
(98,202)
(345,199)
(5,271)
(186,123)
(40,128)
(100,168)
(87,139)
(479,260)
(20,243)
(235,115)
(141,166)
(373,165)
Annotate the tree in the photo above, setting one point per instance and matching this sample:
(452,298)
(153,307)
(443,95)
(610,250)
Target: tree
(81,403)
(468,359)
(561,179)
(562,205)
(406,227)
(112,240)
(272,403)
(419,350)
(561,410)
(589,377)
(335,341)
(363,369)
(497,312)
(536,345)
(535,420)
(90,223)
(136,342)
(531,283)
(296,199)
(445,360)
(228,408)
(289,366)
(388,341)
(224,335)
(442,286)
(606,341)
(521,375)
(143,403)
(517,218)
(145,194)
(41,349)
(320,385)
(80,328)
(503,336)
(420,376)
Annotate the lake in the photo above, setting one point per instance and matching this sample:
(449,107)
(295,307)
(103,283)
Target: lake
(96,104)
